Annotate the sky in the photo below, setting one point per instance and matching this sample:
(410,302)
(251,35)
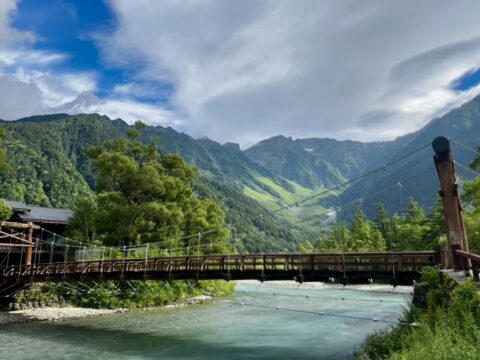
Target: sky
(243,70)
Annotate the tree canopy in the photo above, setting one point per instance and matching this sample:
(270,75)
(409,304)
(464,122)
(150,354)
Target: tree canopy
(471,199)
(412,230)
(5,211)
(145,197)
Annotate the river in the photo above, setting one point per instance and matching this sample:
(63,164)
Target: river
(251,324)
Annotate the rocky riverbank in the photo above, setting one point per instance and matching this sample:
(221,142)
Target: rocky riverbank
(52,314)
(58,313)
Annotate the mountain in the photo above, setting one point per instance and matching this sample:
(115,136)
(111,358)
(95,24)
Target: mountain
(461,124)
(50,168)
(317,163)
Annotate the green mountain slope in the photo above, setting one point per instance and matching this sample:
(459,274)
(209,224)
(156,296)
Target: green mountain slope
(320,162)
(48,159)
(327,162)
(50,167)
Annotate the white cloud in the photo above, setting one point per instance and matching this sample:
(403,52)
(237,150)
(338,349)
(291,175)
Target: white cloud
(14,106)
(136,89)
(125,109)
(15,57)
(57,88)
(250,69)
(9,35)
(242,71)
(27,92)
(30,87)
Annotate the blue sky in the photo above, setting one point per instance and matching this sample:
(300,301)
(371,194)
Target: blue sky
(69,27)
(242,71)
(467,81)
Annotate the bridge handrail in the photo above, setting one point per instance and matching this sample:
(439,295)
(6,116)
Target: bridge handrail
(468,255)
(340,262)
(474,262)
(364,255)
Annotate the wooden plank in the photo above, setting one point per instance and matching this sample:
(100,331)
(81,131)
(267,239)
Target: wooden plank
(17,245)
(7,235)
(17,225)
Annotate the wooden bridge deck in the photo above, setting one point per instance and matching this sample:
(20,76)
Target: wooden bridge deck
(404,267)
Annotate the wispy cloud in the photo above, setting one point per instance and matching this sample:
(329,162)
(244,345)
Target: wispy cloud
(125,109)
(253,69)
(31,84)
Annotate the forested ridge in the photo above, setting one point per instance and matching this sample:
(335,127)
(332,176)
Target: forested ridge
(49,166)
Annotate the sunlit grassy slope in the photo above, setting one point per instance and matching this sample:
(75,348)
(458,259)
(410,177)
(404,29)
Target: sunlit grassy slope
(273,196)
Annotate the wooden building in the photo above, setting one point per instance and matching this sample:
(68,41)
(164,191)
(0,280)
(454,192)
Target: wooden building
(43,223)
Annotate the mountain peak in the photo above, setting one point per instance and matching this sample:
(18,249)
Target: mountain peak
(232,146)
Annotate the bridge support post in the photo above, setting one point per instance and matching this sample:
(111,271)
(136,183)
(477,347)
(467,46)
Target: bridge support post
(440,257)
(452,207)
(29,250)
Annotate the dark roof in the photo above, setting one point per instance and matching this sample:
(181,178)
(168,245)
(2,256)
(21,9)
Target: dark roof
(16,205)
(38,214)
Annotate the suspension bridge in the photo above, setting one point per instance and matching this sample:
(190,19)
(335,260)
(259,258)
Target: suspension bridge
(159,261)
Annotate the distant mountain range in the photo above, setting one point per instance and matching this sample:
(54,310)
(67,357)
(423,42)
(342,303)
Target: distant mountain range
(327,162)
(50,167)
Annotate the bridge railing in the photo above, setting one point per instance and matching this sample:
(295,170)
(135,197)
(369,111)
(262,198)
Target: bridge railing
(469,261)
(333,262)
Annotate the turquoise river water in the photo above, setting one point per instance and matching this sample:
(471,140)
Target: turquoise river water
(229,328)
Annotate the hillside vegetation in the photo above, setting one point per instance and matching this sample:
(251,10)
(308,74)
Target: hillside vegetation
(447,328)
(49,166)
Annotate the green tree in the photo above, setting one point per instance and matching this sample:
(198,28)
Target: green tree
(5,211)
(335,240)
(382,221)
(364,236)
(417,227)
(144,197)
(305,247)
(4,163)
(471,199)
(83,224)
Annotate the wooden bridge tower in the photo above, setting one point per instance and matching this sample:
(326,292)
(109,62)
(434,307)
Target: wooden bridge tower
(452,207)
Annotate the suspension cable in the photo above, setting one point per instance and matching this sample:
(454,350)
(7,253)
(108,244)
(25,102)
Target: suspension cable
(322,313)
(355,179)
(342,298)
(476,173)
(464,146)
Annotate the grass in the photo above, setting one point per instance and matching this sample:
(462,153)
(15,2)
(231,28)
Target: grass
(272,203)
(259,196)
(449,328)
(133,294)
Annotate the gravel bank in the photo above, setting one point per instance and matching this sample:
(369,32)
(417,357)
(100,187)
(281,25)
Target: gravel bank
(52,313)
